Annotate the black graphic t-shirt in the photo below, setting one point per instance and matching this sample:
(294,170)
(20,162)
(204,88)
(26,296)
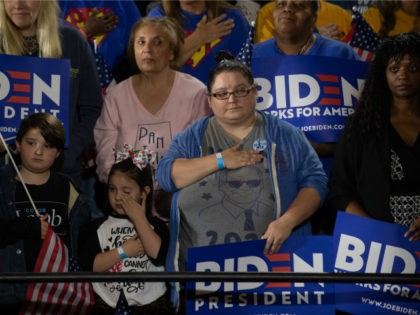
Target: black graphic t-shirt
(50,198)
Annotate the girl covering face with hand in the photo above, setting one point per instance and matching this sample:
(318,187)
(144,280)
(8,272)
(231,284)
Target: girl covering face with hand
(129,239)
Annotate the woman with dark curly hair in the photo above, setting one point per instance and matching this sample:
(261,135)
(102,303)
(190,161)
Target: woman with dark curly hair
(377,160)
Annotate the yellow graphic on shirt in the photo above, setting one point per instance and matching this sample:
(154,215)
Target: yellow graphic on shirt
(78,16)
(202,52)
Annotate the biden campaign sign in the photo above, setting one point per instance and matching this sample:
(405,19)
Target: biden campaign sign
(369,246)
(29,85)
(297,254)
(314,93)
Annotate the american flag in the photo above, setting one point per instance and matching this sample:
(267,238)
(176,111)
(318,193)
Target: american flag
(362,37)
(245,54)
(122,307)
(104,73)
(57,298)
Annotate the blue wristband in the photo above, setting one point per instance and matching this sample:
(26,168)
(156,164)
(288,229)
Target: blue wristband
(121,252)
(220,162)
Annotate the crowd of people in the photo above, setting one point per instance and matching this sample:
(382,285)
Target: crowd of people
(163,112)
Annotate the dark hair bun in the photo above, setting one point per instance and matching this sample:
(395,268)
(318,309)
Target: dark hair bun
(223,55)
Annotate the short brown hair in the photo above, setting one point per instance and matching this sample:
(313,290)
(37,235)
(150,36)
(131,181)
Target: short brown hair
(50,127)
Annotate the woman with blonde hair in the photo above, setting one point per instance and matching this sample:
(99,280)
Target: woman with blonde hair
(33,28)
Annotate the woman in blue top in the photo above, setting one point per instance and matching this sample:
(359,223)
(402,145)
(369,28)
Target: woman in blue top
(229,169)
(209,26)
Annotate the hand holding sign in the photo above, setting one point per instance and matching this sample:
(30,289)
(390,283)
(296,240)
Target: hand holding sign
(414,230)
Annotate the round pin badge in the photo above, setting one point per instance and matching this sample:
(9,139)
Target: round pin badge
(259,145)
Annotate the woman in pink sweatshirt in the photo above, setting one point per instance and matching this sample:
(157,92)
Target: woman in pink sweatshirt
(150,107)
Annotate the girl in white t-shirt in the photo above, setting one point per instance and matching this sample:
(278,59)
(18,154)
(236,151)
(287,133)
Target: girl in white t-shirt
(129,239)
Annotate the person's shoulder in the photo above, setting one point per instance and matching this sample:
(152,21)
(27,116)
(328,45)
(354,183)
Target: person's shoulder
(331,8)
(233,11)
(335,48)
(190,80)
(400,14)
(268,42)
(372,11)
(197,125)
(72,40)
(120,85)
(120,89)
(273,122)
(61,183)
(269,6)
(60,180)
(195,128)
(268,118)
(237,15)
(69,31)
(264,49)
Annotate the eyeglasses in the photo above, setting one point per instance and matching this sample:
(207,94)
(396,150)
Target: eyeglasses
(224,95)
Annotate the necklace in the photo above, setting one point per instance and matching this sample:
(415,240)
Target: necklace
(307,45)
(31,45)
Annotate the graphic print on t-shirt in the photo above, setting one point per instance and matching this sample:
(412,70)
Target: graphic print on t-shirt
(112,233)
(50,198)
(56,211)
(155,137)
(233,206)
(243,210)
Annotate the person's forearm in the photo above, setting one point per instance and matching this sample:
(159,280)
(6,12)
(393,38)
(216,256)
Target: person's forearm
(355,208)
(191,44)
(184,172)
(303,207)
(206,32)
(104,261)
(151,241)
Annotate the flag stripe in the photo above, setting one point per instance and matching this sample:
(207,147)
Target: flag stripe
(57,298)
(362,37)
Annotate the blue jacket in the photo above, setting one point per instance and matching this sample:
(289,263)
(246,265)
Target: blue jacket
(292,161)
(12,256)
